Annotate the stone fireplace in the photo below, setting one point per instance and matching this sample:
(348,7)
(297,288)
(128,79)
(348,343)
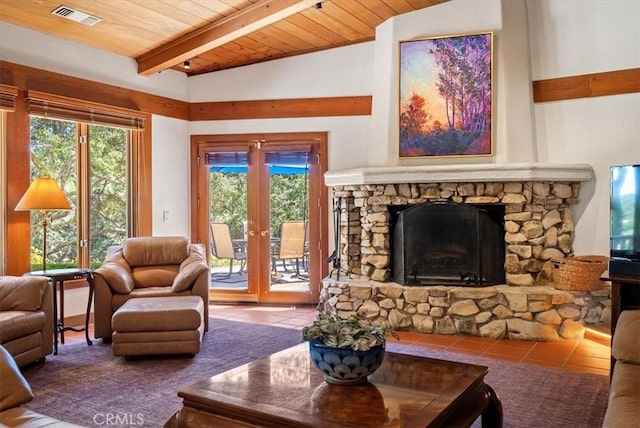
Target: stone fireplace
(537,200)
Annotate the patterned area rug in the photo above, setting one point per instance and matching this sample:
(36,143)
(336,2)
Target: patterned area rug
(534,396)
(87,385)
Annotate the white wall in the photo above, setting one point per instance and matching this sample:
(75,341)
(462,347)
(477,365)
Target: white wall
(570,38)
(342,71)
(33,49)
(372,69)
(170,177)
(334,72)
(511,83)
(347,135)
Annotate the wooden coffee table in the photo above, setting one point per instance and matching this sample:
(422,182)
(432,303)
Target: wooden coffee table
(286,390)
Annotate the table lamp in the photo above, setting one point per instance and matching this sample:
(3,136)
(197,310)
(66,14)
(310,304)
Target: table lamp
(43,194)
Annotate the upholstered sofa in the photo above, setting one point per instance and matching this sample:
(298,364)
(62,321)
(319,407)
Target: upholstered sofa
(14,392)
(623,409)
(149,267)
(26,317)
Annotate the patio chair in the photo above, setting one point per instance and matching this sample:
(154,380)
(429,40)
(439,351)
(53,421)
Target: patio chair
(292,244)
(223,247)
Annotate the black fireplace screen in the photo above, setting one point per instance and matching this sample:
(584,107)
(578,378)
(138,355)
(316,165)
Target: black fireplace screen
(448,244)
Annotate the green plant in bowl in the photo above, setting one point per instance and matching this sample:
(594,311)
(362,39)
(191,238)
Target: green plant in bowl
(334,332)
(345,350)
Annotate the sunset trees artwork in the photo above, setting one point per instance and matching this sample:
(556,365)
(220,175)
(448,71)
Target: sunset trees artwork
(445,96)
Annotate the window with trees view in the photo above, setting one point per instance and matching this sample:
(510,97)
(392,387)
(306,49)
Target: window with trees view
(90,162)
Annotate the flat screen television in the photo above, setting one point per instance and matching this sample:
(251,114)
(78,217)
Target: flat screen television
(625,220)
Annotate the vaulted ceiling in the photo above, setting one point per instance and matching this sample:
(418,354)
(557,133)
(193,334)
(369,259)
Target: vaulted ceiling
(210,35)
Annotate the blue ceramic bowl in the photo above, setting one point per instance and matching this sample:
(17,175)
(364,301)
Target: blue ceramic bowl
(344,365)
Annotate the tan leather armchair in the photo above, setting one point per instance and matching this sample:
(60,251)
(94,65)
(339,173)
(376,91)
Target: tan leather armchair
(149,267)
(26,317)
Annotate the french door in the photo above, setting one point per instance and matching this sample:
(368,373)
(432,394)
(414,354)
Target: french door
(259,204)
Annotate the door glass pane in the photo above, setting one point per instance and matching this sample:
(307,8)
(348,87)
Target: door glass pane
(54,154)
(289,202)
(228,219)
(108,190)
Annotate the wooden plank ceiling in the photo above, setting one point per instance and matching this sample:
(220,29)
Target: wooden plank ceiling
(211,34)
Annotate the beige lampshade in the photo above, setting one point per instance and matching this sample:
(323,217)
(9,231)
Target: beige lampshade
(43,194)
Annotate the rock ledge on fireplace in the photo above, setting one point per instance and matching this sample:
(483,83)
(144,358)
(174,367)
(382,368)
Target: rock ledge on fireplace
(540,313)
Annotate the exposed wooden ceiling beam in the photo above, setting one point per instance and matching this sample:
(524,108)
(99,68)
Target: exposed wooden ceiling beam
(241,23)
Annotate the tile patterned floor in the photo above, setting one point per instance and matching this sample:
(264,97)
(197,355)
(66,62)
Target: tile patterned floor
(586,355)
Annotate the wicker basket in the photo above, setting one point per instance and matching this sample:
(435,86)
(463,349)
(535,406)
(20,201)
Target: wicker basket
(579,273)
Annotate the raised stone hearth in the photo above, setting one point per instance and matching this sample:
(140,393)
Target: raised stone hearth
(538,223)
(526,313)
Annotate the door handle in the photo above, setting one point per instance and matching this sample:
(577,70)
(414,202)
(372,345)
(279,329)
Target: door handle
(264,232)
(252,233)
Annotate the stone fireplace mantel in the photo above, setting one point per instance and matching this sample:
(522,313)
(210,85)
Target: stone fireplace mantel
(469,173)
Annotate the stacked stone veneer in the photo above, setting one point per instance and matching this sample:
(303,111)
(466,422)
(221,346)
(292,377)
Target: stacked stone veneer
(538,227)
(527,313)
(538,222)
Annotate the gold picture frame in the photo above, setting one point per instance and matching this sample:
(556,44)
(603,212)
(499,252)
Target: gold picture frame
(446,96)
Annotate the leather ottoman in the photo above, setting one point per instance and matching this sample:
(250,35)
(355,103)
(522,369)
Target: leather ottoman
(158,325)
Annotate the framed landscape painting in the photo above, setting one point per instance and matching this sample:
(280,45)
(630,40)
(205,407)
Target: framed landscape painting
(446,96)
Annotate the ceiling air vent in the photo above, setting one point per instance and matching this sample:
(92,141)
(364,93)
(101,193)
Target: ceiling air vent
(75,15)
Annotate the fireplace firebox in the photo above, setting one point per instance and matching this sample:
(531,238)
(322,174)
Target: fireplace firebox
(448,244)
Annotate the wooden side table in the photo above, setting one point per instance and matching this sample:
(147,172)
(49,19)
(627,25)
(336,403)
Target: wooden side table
(59,276)
(625,294)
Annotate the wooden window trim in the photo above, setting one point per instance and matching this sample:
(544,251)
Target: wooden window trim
(140,185)
(8,96)
(19,80)
(59,107)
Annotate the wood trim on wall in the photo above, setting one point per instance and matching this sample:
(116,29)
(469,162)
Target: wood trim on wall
(3,190)
(8,96)
(142,196)
(28,78)
(587,85)
(18,156)
(283,108)
(78,110)
(562,88)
